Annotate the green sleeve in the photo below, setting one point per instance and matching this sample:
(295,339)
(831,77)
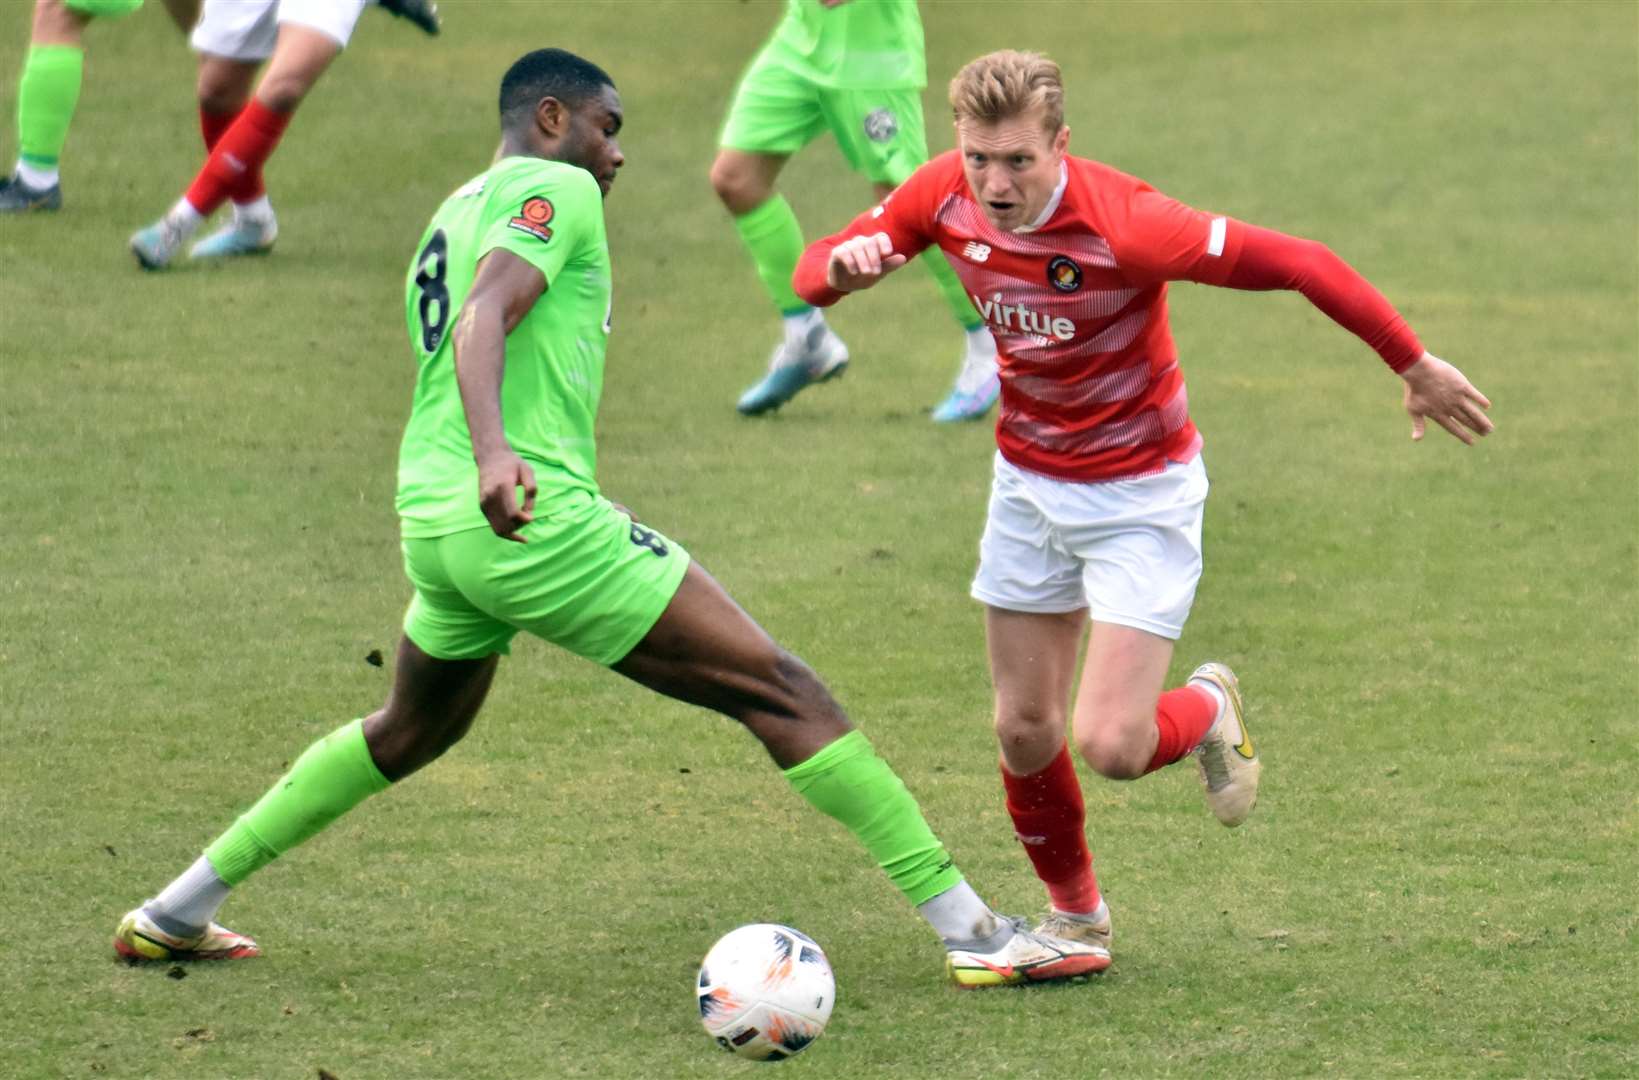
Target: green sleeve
(544,215)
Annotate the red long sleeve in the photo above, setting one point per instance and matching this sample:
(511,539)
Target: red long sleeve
(809,277)
(1274,260)
(906,215)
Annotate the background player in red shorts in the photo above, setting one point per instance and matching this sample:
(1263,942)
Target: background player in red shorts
(1095,510)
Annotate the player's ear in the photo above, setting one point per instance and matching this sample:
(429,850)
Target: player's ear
(1061,141)
(552,115)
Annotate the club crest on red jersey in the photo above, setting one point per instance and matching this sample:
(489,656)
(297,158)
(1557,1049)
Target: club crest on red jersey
(533,216)
(1063,274)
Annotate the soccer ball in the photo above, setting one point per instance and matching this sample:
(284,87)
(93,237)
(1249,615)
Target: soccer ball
(766,991)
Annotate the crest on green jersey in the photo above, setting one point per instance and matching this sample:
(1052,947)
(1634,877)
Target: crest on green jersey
(533,216)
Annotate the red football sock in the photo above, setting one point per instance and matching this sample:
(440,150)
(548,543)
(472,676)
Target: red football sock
(213,125)
(1181,717)
(234,168)
(1049,819)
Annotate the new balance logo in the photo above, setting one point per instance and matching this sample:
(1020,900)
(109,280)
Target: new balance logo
(975,251)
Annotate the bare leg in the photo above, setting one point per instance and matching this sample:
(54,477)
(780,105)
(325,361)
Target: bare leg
(1033,665)
(707,651)
(744,180)
(55,23)
(225,84)
(431,707)
(301,56)
(1115,707)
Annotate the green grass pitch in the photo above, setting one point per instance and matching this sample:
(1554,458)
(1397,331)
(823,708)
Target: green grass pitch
(1439,646)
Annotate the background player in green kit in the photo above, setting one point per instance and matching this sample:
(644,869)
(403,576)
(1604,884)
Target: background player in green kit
(508,311)
(49,89)
(855,68)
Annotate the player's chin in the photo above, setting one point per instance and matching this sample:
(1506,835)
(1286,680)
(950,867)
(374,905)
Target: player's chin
(605,183)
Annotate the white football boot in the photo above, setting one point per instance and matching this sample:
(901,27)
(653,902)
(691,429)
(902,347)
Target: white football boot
(139,938)
(821,356)
(1091,929)
(1026,956)
(1229,764)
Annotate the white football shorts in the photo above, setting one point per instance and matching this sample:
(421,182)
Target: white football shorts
(248,29)
(1128,550)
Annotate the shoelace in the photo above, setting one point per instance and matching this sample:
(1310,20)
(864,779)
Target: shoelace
(1058,920)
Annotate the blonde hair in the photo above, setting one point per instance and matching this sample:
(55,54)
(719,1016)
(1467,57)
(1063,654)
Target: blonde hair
(1001,85)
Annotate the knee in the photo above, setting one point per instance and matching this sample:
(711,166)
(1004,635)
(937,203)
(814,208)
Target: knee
(220,90)
(1029,736)
(740,190)
(402,741)
(808,697)
(1109,752)
(55,23)
(282,92)
(218,99)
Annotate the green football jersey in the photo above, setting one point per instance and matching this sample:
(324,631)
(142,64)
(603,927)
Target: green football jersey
(859,45)
(550,214)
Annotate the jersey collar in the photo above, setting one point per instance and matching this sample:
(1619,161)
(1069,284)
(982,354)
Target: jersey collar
(1052,203)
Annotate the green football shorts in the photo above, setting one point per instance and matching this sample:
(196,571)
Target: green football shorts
(589,579)
(104,8)
(777,111)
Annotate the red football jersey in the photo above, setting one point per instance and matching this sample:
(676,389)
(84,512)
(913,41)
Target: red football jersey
(1091,388)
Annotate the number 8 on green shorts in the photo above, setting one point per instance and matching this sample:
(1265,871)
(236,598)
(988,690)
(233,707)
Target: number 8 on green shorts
(588,579)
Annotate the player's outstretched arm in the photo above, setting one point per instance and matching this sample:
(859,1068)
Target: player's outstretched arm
(1437,391)
(873,245)
(502,293)
(1265,259)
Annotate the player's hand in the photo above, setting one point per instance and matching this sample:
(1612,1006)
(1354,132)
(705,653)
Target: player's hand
(860,262)
(499,478)
(1437,391)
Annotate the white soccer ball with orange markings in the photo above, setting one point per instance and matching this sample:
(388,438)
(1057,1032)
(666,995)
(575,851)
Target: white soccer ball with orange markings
(766,991)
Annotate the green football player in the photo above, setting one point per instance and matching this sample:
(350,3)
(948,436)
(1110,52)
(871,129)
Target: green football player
(855,69)
(508,313)
(49,89)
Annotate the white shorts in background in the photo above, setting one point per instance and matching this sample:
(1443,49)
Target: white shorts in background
(248,29)
(1128,550)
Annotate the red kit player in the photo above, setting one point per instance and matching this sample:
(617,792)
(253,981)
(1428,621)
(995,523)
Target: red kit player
(1096,503)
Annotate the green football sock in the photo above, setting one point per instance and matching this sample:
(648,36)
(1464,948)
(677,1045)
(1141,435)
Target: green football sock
(46,96)
(774,238)
(331,777)
(847,781)
(951,288)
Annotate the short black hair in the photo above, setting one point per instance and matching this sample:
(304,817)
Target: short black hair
(548,73)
